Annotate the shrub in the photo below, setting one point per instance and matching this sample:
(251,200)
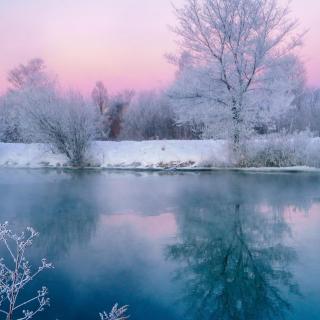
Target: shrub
(65,123)
(278,150)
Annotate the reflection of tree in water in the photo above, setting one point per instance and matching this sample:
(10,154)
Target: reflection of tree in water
(235,265)
(69,222)
(64,215)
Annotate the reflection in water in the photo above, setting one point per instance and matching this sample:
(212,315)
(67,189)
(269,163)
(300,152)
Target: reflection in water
(68,221)
(64,214)
(235,264)
(239,251)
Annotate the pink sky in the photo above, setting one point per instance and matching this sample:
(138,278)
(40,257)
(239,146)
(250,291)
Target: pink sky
(121,42)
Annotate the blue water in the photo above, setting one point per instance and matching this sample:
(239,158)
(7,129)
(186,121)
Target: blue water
(221,245)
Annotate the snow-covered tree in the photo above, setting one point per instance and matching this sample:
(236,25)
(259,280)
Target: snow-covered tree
(100,96)
(65,122)
(31,77)
(236,50)
(32,74)
(281,85)
(34,110)
(194,102)
(149,116)
(16,273)
(100,99)
(306,113)
(9,121)
(114,115)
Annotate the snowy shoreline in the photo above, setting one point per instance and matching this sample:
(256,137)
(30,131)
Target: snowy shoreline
(159,155)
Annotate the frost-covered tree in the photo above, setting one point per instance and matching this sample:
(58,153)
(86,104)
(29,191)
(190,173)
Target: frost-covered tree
(149,116)
(100,96)
(236,47)
(114,115)
(30,77)
(34,110)
(16,273)
(9,121)
(65,122)
(305,115)
(32,74)
(100,99)
(194,101)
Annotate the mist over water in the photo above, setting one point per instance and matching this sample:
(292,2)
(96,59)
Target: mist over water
(220,245)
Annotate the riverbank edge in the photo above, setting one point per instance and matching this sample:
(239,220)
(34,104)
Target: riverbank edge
(296,169)
(158,155)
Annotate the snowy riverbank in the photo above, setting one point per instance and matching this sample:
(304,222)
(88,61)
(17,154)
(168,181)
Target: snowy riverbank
(166,154)
(125,154)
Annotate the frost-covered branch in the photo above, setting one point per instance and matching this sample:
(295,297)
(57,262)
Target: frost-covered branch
(115,314)
(16,273)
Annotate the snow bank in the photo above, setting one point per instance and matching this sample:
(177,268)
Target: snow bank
(125,154)
(29,155)
(160,154)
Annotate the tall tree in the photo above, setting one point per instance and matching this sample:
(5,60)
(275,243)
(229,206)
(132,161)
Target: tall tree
(24,80)
(238,43)
(100,96)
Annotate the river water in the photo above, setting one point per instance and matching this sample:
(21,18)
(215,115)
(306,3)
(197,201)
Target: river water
(212,245)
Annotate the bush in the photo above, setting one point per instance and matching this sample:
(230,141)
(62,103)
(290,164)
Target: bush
(65,123)
(279,150)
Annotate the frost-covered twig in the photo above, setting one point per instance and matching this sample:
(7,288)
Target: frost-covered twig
(17,273)
(115,314)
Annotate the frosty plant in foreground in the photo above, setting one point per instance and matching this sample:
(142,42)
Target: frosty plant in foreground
(16,273)
(115,314)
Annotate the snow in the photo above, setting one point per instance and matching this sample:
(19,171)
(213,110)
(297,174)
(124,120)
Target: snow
(159,154)
(126,154)
(29,155)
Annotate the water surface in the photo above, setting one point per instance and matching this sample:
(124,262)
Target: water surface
(221,245)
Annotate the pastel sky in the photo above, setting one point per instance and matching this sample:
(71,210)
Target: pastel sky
(121,42)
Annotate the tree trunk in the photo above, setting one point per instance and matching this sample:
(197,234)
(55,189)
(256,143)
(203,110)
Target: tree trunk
(236,127)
